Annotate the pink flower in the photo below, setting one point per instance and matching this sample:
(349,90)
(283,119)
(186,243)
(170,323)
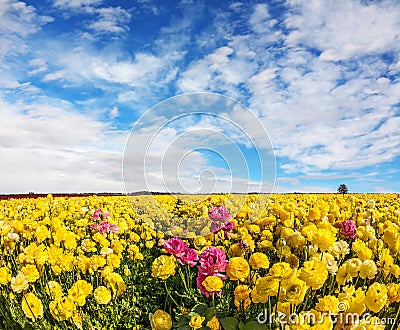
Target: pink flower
(175,246)
(212,261)
(228,226)
(215,227)
(97,214)
(188,256)
(105,227)
(349,229)
(219,213)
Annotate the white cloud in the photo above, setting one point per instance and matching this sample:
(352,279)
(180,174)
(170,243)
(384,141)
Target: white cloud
(343,29)
(75,4)
(114,113)
(111,20)
(51,148)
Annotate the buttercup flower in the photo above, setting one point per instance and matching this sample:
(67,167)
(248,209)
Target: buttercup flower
(237,268)
(196,321)
(32,306)
(213,284)
(348,229)
(160,320)
(163,267)
(102,295)
(219,214)
(259,260)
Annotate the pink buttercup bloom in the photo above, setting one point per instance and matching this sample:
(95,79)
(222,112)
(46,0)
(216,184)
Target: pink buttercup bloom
(105,227)
(215,227)
(175,246)
(97,214)
(228,226)
(219,213)
(349,229)
(212,261)
(188,256)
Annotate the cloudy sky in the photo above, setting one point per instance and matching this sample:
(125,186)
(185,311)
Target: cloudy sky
(321,76)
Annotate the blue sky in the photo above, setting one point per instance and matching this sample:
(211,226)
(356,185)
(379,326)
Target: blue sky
(322,78)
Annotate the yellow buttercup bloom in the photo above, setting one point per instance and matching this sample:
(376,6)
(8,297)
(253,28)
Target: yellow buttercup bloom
(19,283)
(281,270)
(196,321)
(376,297)
(213,284)
(79,291)
(102,295)
(259,260)
(54,290)
(5,275)
(163,267)
(314,273)
(63,308)
(160,320)
(237,268)
(213,324)
(32,306)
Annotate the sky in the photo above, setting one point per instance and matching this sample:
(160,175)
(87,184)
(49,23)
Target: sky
(294,96)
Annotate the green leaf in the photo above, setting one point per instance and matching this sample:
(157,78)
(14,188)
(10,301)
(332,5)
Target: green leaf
(229,323)
(241,325)
(254,325)
(185,327)
(210,312)
(200,309)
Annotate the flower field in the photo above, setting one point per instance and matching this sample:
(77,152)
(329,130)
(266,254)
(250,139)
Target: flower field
(234,262)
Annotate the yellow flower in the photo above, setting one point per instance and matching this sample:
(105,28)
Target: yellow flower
(160,320)
(259,260)
(328,304)
(79,291)
(241,292)
(32,306)
(102,295)
(368,269)
(213,324)
(196,321)
(293,290)
(281,270)
(213,284)
(62,309)
(31,273)
(237,268)
(54,290)
(117,283)
(163,267)
(265,287)
(5,275)
(19,283)
(324,239)
(314,273)
(376,297)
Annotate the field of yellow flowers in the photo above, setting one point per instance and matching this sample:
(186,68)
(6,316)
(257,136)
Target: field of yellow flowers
(234,262)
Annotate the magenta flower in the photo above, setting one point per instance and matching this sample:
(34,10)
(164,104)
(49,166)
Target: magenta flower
(97,214)
(212,261)
(175,246)
(219,213)
(215,227)
(349,229)
(228,226)
(188,256)
(105,227)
